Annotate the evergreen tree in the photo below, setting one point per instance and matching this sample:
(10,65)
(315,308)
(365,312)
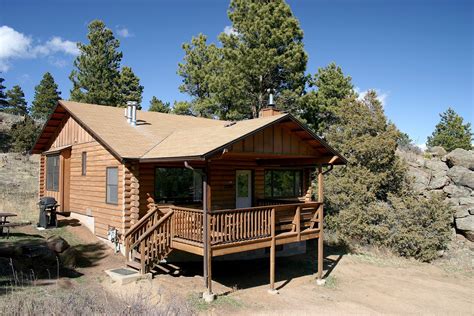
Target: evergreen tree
(370,201)
(264,51)
(47,96)
(16,101)
(96,77)
(23,135)
(319,106)
(182,108)
(3,96)
(451,133)
(156,105)
(130,88)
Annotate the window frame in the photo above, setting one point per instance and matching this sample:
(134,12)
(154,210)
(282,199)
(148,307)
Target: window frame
(190,199)
(84,163)
(53,174)
(295,194)
(107,185)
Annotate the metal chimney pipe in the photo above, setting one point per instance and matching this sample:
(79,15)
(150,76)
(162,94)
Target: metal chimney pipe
(132,110)
(270,98)
(129,113)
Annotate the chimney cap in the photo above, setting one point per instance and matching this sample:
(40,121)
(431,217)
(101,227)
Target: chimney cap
(271,102)
(132,103)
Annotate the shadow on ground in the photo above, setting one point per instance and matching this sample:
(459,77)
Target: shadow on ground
(245,274)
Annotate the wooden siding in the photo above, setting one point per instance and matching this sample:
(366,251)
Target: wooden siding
(87,193)
(70,132)
(275,140)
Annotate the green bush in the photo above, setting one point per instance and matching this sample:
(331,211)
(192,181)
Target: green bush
(370,201)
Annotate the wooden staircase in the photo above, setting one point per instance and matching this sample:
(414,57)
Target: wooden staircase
(148,242)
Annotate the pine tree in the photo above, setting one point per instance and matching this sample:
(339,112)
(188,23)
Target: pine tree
(319,106)
(156,105)
(23,134)
(370,201)
(130,88)
(16,101)
(451,133)
(47,96)
(3,96)
(182,108)
(96,77)
(264,51)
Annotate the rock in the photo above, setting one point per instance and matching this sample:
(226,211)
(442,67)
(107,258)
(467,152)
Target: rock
(421,179)
(465,223)
(69,257)
(436,165)
(455,191)
(57,244)
(461,157)
(452,201)
(469,235)
(40,253)
(466,200)
(438,180)
(437,151)
(462,176)
(462,211)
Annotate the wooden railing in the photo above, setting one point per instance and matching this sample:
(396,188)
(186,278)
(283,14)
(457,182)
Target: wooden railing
(137,230)
(229,226)
(237,225)
(188,223)
(155,243)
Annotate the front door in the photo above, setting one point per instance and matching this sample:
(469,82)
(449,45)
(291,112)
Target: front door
(243,188)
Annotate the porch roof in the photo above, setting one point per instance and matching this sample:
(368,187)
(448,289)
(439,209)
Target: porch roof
(160,136)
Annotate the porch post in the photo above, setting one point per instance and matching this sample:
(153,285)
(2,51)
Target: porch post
(320,280)
(272,255)
(207,254)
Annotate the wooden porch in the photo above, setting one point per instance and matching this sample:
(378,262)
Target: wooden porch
(168,227)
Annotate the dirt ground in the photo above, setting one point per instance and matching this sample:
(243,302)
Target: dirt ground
(355,284)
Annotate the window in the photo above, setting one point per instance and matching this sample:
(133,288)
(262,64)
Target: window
(177,185)
(84,163)
(52,173)
(283,183)
(112,185)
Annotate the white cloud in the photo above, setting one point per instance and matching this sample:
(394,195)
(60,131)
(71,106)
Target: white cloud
(57,45)
(124,32)
(15,45)
(229,30)
(422,146)
(382,96)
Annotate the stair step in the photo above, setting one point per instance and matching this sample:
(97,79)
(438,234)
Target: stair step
(134,265)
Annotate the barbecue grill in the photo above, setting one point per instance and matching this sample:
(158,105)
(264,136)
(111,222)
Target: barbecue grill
(47,212)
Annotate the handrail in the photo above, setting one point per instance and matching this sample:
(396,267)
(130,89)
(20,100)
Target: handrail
(138,224)
(151,229)
(256,208)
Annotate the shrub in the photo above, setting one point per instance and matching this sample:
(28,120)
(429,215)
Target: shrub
(370,201)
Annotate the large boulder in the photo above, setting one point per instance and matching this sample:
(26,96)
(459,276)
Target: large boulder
(455,191)
(463,210)
(421,179)
(466,226)
(436,165)
(437,151)
(438,180)
(57,244)
(461,157)
(462,176)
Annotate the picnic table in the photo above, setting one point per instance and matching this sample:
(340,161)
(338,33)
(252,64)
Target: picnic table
(4,223)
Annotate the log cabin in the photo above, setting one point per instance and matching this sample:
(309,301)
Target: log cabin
(170,182)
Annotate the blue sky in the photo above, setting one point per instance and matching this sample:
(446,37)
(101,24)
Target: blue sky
(418,54)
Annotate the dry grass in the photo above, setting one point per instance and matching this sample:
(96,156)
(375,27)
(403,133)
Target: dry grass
(19,186)
(84,300)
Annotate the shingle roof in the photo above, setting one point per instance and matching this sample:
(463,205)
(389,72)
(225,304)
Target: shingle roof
(164,136)
(159,135)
